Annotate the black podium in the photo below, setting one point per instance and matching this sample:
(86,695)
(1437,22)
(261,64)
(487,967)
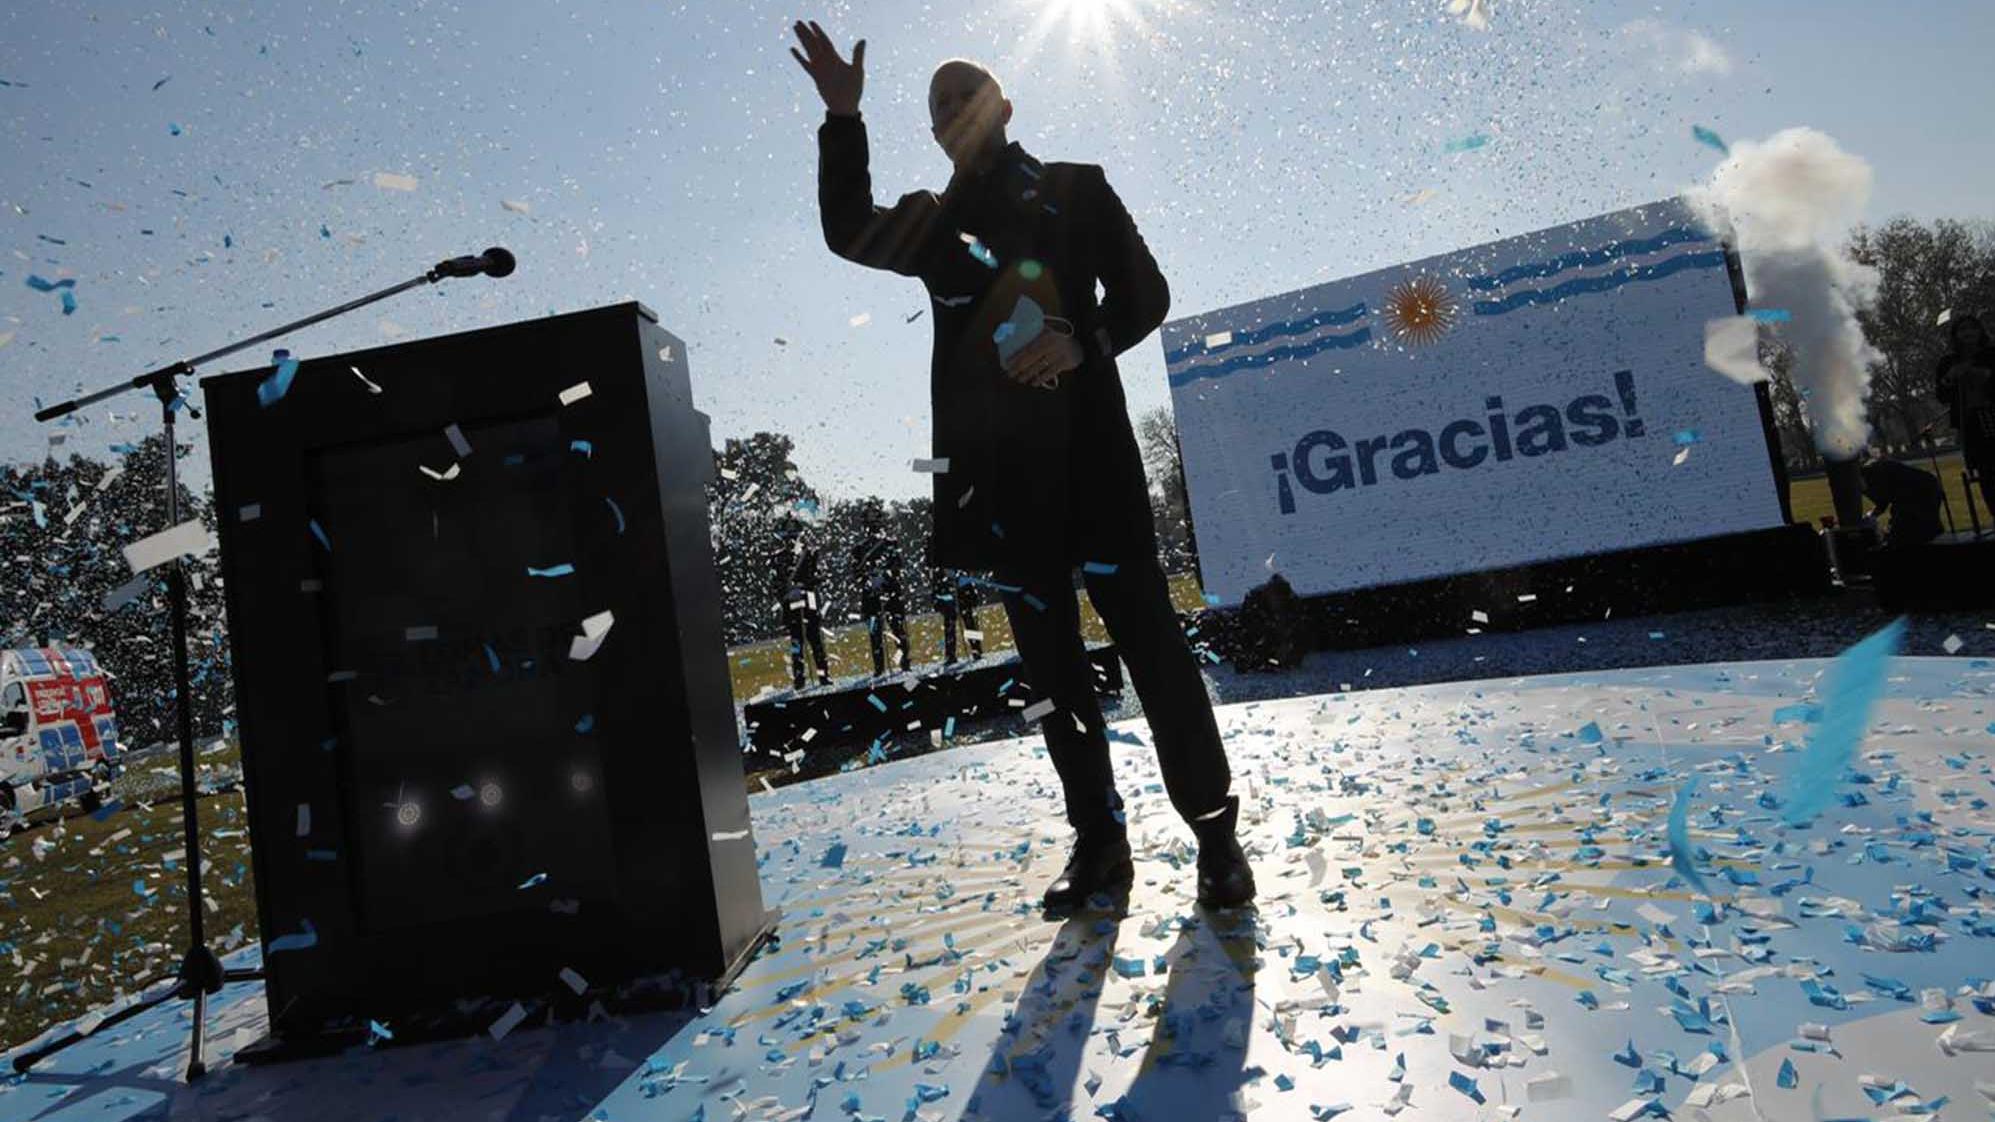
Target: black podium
(488,735)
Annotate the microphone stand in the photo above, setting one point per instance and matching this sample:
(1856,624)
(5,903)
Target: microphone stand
(201,972)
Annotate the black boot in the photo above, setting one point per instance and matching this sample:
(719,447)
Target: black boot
(1100,863)
(1224,878)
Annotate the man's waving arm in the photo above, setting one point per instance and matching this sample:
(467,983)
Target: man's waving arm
(895,237)
(854,228)
(1135,296)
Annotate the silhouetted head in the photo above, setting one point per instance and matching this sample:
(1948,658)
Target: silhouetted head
(1967,334)
(967,111)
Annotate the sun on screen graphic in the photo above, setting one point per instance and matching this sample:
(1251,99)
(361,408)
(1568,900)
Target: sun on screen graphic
(1420,311)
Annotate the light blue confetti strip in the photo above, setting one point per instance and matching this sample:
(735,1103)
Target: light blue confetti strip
(68,302)
(1687,437)
(834,858)
(949,728)
(1102,568)
(1772,315)
(584,447)
(303,940)
(1589,733)
(534,881)
(271,390)
(492,657)
(1850,689)
(1710,139)
(875,701)
(319,533)
(616,510)
(1036,602)
(1467,143)
(983,254)
(378,1031)
(562,570)
(1680,857)
(587,723)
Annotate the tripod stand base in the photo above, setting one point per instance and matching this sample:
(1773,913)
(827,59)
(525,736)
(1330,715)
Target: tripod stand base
(195,989)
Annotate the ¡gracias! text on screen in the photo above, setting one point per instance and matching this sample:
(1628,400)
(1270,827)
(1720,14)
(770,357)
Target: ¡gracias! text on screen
(1323,462)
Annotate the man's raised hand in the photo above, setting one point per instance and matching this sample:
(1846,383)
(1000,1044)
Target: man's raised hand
(839,82)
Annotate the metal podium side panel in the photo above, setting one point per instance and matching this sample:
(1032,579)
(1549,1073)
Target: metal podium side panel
(685,466)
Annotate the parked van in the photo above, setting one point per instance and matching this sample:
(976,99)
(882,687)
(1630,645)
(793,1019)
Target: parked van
(58,731)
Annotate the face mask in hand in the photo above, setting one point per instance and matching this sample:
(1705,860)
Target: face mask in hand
(1027,322)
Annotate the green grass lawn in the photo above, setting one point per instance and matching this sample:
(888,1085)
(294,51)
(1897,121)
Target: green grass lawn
(75,929)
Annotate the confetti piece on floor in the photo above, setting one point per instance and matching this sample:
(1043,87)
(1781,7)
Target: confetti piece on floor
(932,467)
(1038,709)
(515,207)
(1850,688)
(508,1021)
(1467,144)
(298,941)
(1771,315)
(861,320)
(394,181)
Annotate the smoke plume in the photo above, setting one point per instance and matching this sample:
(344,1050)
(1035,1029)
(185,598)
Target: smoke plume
(1786,203)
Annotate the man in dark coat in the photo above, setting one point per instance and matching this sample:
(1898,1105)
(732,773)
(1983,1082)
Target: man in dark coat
(1043,472)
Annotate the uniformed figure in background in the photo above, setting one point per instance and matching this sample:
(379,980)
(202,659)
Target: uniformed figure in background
(802,615)
(876,565)
(956,598)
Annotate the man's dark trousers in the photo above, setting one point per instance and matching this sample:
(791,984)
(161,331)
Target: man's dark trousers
(1135,603)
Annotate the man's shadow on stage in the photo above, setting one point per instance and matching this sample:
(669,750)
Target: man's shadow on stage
(1196,1055)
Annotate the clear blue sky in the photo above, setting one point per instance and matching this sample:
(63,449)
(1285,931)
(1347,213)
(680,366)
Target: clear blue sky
(666,152)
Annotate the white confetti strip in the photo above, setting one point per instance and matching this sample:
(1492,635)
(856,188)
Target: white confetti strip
(157,549)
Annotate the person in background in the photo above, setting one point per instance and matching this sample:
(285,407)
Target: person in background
(801,613)
(1044,472)
(956,598)
(1912,497)
(876,561)
(1962,383)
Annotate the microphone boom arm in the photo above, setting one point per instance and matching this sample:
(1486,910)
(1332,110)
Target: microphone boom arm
(161,379)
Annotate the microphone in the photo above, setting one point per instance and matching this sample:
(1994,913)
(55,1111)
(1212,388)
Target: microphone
(494,262)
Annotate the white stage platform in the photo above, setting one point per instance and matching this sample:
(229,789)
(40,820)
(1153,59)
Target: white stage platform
(1467,911)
